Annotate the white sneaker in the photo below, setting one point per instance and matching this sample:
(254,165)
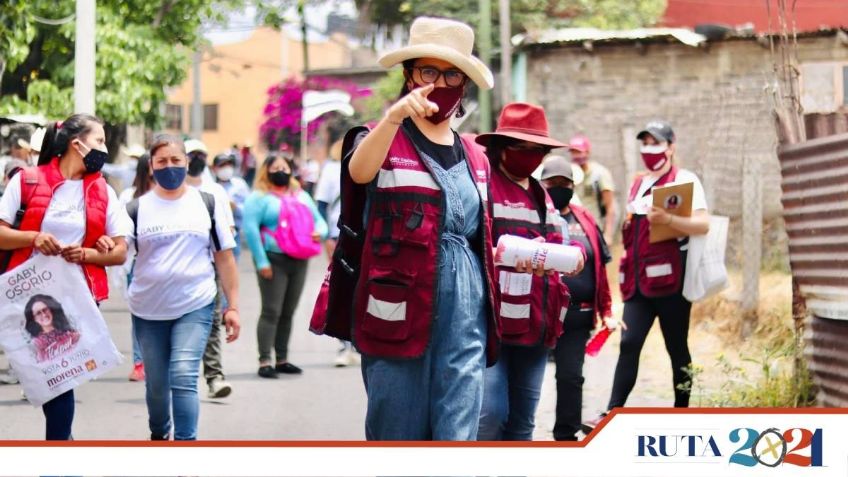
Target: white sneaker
(219,388)
(345,358)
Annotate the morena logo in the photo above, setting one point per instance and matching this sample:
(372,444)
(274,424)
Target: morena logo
(770,448)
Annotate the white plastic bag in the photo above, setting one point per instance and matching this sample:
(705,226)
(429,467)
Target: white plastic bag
(51,329)
(706,273)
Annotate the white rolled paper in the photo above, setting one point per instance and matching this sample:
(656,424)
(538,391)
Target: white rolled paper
(552,256)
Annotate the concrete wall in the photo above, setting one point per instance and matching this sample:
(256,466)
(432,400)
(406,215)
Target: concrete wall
(716,97)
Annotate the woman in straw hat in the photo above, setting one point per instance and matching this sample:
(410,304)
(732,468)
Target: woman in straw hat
(531,307)
(423,310)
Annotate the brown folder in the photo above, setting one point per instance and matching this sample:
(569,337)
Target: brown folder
(676,199)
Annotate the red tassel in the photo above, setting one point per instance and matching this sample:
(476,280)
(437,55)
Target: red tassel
(593,347)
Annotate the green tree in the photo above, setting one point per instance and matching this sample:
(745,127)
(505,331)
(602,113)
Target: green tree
(143,47)
(525,14)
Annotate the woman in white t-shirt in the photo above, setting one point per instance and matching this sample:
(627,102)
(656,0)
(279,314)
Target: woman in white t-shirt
(71,213)
(651,274)
(179,245)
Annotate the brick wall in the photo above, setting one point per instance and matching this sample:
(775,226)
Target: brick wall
(716,98)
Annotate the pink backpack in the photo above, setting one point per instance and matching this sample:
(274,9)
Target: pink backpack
(294,229)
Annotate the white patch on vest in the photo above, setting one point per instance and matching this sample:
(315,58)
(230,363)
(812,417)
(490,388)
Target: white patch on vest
(512,212)
(654,271)
(511,310)
(484,190)
(405,178)
(402,162)
(621,278)
(481,174)
(515,284)
(553,218)
(385,310)
(562,313)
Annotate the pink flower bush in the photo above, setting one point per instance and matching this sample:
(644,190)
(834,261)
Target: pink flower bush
(282,111)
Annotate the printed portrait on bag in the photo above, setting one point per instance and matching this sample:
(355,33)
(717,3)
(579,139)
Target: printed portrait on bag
(49,328)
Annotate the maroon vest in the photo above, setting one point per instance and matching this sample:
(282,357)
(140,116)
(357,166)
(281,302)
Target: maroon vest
(658,266)
(394,297)
(37,185)
(532,308)
(603,298)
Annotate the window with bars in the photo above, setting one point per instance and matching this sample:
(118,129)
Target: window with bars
(174,116)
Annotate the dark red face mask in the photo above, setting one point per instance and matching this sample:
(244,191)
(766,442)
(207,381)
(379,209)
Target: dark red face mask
(522,163)
(448,100)
(654,156)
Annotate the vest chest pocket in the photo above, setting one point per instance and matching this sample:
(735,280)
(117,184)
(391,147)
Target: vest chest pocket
(393,231)
(388,314)
(661,274)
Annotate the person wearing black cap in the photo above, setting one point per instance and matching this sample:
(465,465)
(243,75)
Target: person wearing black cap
(590,296)
(651,274)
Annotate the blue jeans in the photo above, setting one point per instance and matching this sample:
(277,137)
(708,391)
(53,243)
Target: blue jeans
(136,348)
(512,391)
(172,351)
(437,396)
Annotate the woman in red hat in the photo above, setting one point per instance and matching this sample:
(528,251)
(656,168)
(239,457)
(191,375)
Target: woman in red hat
(532,306)
(423,316)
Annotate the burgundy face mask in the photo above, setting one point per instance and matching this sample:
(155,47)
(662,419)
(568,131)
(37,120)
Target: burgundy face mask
(654,156)
(448,100)
(522,163)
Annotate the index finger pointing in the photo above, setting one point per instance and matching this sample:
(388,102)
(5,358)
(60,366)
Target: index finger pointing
(426,90)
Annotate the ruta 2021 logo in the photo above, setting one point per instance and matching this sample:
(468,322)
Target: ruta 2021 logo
(771,448)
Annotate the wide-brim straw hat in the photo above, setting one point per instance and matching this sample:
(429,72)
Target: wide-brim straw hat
(444,39)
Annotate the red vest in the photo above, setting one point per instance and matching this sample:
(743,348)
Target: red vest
(395,301)
(529,315)
(603,299)
(659,266)
(38,185)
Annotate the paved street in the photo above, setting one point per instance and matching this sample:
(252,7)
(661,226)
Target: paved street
(324,403)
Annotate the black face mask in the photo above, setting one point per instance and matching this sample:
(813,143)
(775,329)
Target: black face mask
(561,196)
(279,178)
(94,160)
(196,164)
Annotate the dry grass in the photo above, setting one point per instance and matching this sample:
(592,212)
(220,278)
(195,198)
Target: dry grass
(743,359)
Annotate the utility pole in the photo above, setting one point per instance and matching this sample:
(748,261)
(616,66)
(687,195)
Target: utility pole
(506,51)
(301,10)
(484,43)
(196,101)
(84,57)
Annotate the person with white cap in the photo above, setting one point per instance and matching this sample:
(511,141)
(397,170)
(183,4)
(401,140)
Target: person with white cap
(198,176)
(590,296)
(35,143)
(423,315)
(652,273)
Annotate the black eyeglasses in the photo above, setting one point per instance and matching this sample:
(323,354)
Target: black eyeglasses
(431,74)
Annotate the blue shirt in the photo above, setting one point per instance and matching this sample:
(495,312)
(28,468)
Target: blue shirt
(263,210)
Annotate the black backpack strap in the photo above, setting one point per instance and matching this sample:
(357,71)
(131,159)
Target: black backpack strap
(209,201)
(132,211)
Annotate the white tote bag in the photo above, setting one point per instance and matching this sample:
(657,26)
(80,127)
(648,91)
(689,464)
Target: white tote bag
(706,273)
(51,329)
